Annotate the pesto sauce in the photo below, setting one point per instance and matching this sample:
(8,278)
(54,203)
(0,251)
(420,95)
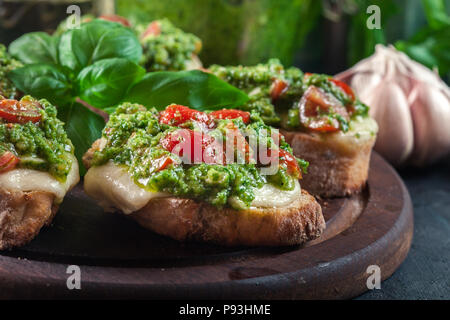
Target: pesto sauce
(42,146)
(257,80)
(171,50)
(133,136)
(7,64)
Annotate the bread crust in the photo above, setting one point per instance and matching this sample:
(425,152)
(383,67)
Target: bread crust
(333,171)
(186,219)
(22,215)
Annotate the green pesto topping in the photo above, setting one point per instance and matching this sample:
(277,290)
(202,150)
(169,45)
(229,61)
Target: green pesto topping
(170,50)
(42,146)
(133,136)
(7,64)
(257,81)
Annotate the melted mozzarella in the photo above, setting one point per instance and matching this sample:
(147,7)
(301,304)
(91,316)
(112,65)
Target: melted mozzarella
(113,187)
(270,196)
(33,180)
(361,131)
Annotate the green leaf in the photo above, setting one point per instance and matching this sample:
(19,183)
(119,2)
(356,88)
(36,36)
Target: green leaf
(35,47)
(105,82)
(95,41)
(83,127)
(429,47)
(435,12)
(43,81)
(196,89)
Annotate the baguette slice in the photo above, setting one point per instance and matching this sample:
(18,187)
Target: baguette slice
(187,219)
(22,215)
(338,164)
(29,200)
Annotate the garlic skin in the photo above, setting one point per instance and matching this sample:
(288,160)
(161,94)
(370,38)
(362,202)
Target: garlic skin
(410,103)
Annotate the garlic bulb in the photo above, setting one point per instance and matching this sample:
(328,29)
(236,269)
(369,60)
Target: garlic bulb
(410,103)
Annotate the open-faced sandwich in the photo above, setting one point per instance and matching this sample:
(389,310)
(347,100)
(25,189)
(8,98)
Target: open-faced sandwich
(168,48)
(192,175)
(321,119)
(7,64)
(37,168)
(165,47)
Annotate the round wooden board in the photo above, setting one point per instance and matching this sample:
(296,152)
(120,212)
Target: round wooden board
(118,259)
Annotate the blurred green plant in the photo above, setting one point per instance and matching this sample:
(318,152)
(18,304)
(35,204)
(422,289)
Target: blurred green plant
(431,44)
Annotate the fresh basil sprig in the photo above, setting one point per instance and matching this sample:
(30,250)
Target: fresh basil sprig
(97,65)
(43,81)
(105,82)
(196,89)
(95,41)
(35,47)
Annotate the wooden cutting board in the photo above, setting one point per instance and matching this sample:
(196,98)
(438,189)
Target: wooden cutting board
(119,259)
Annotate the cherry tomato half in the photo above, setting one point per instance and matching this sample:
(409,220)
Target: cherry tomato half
(115,18)
(153,29)
(176,115)
(231,114)
(315,109)
(14,111)
(193,147)
(290,162)
(345,87)
(8,161)
(278,88)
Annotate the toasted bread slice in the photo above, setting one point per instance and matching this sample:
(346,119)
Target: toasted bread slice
(186,219)
(23,214)
(29,200)
(338,166)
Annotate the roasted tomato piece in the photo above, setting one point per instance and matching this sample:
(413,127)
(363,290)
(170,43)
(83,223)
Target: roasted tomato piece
(345,87)
(290,162)
(153,29)
(278,88)
(193,147)
(319,111)
(8,161)
(14,111)
(177,115)
(231,114)
(236,146)
(162,163)
(115,18)
(284,158)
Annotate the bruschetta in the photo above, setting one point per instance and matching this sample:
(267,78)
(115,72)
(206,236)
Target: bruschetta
(320,118)
(7,64)
(168,48)
(37,168)
(193,175)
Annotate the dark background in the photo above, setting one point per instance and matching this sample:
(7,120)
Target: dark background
(425,274)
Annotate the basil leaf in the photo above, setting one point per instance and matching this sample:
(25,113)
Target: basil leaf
(95,41)
(43,81)
(196,89)
(83,127)
(105,82)
(35,47)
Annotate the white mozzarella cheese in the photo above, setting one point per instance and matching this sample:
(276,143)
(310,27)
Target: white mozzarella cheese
(26,180)
(113,187)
